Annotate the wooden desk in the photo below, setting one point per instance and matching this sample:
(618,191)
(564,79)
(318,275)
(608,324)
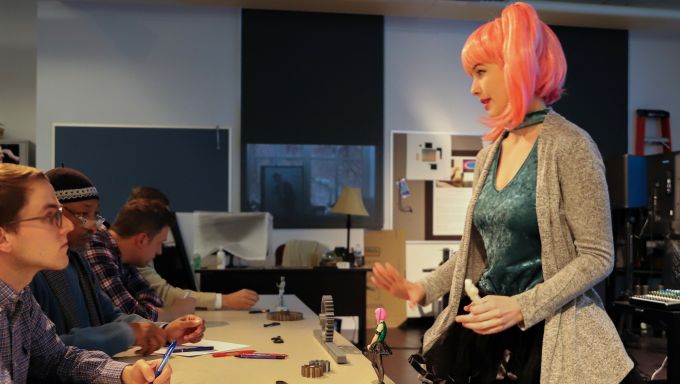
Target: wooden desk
(299,343)
(347,286)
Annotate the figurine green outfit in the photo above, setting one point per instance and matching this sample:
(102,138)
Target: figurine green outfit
(377,349)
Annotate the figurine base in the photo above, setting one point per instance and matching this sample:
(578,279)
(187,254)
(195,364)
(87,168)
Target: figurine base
(335,351)
(284,316)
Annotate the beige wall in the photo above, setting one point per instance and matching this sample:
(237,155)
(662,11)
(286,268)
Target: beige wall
(18,68)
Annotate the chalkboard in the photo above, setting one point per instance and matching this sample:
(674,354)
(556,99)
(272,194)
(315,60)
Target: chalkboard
(190,165)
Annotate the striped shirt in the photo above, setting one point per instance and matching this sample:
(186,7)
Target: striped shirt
(30,347)
(123,283)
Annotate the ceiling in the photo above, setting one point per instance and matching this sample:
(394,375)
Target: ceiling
(620,14)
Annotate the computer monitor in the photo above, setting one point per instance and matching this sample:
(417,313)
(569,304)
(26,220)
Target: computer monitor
(17,152)
(246,236)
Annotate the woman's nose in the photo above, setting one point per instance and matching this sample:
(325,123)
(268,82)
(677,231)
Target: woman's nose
(474,88)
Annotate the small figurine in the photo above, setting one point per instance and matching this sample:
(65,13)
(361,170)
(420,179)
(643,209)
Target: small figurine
(472,291)
(282,287)
(377,349)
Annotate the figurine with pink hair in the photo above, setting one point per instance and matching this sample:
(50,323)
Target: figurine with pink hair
(378,348)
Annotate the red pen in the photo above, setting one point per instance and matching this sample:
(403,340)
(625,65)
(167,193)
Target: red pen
(262,356)
(232,353)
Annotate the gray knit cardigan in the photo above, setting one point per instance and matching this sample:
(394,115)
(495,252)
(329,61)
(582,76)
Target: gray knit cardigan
(580,342)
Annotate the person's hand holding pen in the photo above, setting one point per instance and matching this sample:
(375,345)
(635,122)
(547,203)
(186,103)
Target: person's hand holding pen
(186,329)
(143,372)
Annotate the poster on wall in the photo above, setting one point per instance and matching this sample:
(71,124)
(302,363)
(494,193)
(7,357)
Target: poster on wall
(447,199)
(451,197)
(428,156)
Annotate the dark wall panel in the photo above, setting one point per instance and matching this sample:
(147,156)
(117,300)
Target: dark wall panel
(312,78)
(596,97)
(185,164)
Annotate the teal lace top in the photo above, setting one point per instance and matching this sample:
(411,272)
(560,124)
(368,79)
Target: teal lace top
(506,220)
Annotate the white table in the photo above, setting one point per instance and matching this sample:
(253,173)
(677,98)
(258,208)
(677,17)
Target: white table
(299,344)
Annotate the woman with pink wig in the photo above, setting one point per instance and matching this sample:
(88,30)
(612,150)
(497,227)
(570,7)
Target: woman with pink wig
(537,235)
(378,348)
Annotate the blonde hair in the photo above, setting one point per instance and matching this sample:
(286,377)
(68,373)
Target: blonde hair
(13,191)
(530,56)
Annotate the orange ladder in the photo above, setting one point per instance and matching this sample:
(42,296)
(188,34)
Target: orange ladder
(641,139)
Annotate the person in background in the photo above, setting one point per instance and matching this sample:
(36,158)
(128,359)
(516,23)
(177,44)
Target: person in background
(134,239)
(33,237)
(83,315)
(242,299)
(537,235)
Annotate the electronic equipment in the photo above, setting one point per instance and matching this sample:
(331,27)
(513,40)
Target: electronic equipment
(245,235)
(663,172)
(664,299)
(17,152)
(626,178)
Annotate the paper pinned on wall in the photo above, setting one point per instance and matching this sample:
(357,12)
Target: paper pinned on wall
(428,156)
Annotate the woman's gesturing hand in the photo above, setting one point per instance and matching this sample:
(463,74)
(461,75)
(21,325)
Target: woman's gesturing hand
(388,278)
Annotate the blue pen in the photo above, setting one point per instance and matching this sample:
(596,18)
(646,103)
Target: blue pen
(166,357)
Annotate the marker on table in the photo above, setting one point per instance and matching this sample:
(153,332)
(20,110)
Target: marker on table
(187,294)
(166,357)
(277,356)
(197,348)
(233,353)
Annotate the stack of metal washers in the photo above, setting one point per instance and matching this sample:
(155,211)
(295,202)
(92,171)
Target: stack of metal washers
(316,368)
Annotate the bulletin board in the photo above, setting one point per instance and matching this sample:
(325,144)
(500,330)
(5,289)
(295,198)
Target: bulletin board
(425,213)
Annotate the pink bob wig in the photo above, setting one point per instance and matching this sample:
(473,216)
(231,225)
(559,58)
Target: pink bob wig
(380,314)
(530,56)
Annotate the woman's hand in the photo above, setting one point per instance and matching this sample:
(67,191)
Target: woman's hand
(492,314)
(388,278)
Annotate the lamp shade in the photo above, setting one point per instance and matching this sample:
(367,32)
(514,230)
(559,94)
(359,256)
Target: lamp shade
(350,202)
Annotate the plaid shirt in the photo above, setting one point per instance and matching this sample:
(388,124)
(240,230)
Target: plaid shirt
(123,283)
(29,344)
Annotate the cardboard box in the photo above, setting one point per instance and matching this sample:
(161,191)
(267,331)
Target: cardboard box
(384,247)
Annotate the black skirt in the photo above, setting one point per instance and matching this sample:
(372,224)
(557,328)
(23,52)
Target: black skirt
(381,348)
(463,356)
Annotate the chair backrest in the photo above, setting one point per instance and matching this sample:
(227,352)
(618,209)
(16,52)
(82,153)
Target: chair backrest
(301,253)
(173,264)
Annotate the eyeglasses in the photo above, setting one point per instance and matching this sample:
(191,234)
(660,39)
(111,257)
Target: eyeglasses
(98,220)
(55,218)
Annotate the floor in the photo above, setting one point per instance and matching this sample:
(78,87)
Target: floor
(647,350)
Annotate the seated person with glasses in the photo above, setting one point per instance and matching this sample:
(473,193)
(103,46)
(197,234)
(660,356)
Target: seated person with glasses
(33,237)
(83,315)
(134,239)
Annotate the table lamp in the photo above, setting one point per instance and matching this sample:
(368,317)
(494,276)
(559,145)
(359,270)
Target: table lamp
(350,203)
